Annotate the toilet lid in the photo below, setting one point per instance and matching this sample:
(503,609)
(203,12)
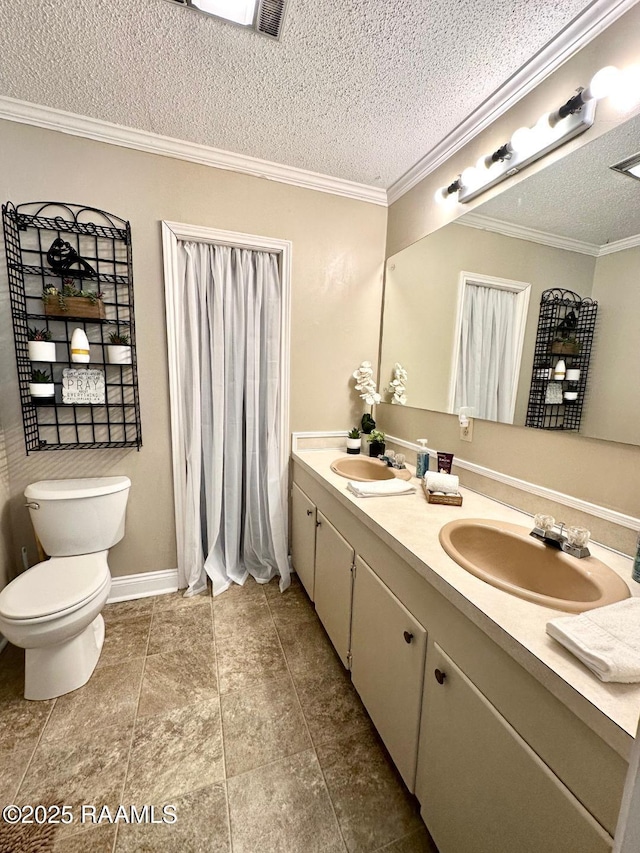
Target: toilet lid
(89,487)
(53,586)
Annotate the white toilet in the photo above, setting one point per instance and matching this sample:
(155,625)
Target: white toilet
(53,609)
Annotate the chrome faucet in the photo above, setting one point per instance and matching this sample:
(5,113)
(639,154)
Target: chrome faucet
(552,533)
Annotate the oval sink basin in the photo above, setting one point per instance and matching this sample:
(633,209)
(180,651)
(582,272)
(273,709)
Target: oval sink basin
(363,469)
(505,556)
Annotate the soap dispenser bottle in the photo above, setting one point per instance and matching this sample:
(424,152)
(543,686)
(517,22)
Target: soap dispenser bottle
(635,573)
(422,459)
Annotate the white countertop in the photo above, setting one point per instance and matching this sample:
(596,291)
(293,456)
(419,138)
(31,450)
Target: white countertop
(410,526)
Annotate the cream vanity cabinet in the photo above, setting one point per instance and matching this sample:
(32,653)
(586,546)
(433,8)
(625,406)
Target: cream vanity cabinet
(500,764)
(303,538)
(482,788)
(388,647)
(373,633)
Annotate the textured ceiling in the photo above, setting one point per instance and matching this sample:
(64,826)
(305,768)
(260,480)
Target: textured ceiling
(355,89)
(589,201)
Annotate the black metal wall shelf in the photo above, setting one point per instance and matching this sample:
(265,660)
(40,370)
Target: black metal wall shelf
(95,257)
(566,326)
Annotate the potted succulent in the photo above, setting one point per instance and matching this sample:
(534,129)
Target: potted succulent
(118,351)
(69,301)
(41,347)
(41,384)
(376,441)
(353,441)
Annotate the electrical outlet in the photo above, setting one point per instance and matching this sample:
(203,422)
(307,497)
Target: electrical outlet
(466,432)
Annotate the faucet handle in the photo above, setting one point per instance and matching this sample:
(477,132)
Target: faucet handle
(578,536)
(544,522)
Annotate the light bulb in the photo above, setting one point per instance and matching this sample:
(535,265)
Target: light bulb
(440,195)
(469,178)
(522,139)
(626,93)
(602,83)
(483,164)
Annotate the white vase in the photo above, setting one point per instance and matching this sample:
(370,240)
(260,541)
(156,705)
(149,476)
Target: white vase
(42,389)
(118,354)
(353,445)
(42,350)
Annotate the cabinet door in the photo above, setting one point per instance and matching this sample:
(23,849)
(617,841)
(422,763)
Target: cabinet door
(387,666)
(334,560)
(303,538)
(481,788)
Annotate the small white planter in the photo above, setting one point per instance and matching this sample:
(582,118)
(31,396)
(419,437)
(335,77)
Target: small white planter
(353,445)
(118,354)
(42,389)
(42,350)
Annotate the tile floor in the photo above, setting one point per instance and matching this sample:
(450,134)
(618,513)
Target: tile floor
(235,710)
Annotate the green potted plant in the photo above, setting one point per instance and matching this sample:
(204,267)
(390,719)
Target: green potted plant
(353,441)
(119,350)
(40,345)
(69,301)
(41,384)
(376,441)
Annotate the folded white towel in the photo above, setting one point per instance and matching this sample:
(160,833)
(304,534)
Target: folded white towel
(447,483)
(606,639)
(380,488)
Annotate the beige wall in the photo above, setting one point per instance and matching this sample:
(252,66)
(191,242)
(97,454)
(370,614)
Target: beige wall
(612,406)
(602,472)
(421,302)
(338,250)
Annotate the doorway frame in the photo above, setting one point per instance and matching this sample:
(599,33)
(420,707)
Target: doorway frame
(171,233)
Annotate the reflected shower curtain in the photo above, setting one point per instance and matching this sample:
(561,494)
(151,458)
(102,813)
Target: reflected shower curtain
(229,315)
(486,355)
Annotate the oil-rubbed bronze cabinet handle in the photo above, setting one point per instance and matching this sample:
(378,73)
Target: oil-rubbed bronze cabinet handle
(318,523)
(309,512)
(440,676)
(408,637)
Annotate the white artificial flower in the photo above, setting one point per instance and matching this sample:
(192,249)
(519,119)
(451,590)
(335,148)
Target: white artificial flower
(365,383)
(397,386)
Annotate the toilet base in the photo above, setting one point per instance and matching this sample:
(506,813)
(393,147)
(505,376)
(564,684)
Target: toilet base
(52,671)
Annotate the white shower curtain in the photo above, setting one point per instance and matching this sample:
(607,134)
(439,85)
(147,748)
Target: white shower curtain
(228,317)
(487,353)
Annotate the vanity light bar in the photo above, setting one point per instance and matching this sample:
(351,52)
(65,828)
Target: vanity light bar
(528,144)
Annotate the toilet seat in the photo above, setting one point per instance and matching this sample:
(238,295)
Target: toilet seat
(55,587)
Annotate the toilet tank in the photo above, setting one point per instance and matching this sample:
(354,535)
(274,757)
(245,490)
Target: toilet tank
(80,516)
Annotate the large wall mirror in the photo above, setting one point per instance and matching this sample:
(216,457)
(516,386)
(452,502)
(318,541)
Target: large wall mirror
(574,225)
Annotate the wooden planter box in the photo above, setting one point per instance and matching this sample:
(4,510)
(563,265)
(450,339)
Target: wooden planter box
(76,306)
(565,348)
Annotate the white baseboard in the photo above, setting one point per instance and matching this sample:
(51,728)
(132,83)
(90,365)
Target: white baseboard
(143,585)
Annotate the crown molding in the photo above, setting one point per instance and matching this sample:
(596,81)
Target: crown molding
(38,115)
(577,34)
(522,232)
(619,245)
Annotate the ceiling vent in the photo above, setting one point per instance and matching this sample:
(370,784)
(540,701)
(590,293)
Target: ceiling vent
(630,167)
(269,18)
(263,16)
